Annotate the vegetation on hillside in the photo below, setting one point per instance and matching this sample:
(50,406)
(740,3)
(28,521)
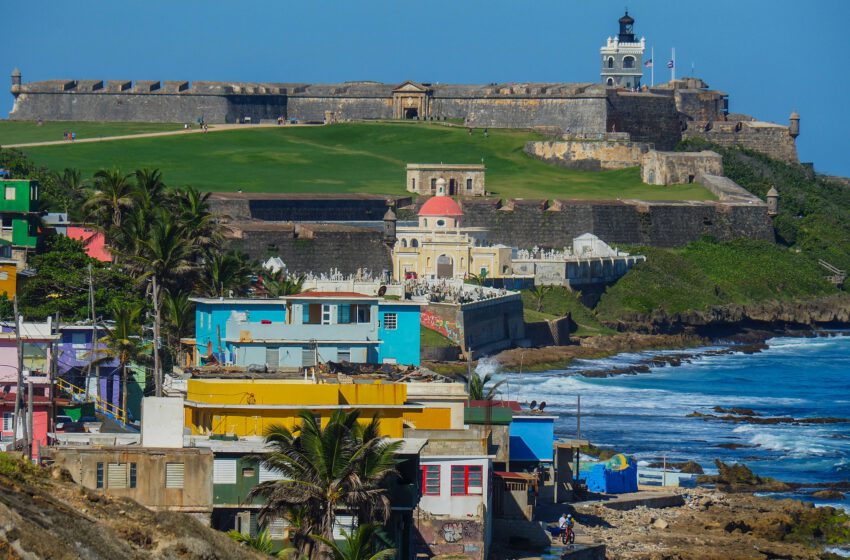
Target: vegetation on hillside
(709,273)
(556,302)
(351,158)
(814,211)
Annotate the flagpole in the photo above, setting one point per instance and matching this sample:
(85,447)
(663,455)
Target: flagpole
(652,59)
(673,70)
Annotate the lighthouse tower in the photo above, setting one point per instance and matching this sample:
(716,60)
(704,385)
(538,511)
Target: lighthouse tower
(622,57)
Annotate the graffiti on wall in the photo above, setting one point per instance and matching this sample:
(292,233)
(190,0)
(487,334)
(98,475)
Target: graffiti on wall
(449,329)
(456,531)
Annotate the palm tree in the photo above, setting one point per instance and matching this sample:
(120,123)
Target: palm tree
(166,253)
(261,543)
(477,385)
(113,195)
(225,272)
(281,284)
(149,187)
(71,185)
(179,315)
(340,467)
(539,292)
(193,212)
(358,545)
(123,341)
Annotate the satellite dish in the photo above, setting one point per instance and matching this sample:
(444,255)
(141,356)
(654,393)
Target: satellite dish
(533,405)
(542,405)
(382,291)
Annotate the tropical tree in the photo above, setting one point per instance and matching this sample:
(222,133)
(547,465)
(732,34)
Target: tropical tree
(477,385)
(539,292)
(113,195)
(222,273)
(360,544)
(262,542)
(149,188)
(123,341)
(281,284)
(179,315)
(73,188)
(193,213)
(166,254)
(340,467)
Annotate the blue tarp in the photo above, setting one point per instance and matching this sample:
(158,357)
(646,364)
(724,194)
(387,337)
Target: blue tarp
(613,477)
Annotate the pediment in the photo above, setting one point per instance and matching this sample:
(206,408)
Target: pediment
(411,87)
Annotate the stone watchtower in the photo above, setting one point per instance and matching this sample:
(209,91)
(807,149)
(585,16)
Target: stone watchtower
(622,57)
(390,224)
(794,125)
(772,202)
(16,81)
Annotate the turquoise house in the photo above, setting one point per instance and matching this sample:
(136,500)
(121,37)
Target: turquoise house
(532,439)
(306,329)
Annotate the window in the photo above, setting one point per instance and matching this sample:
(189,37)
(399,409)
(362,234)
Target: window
(343,314)
(224,471)
(249,472)
(273,356)
(121,475)
(326,314)
(99,483)
(441,223)
(469,184)
(174,475)
(308,357)
(343,354)
(362,313)
(267,474)
(467,479)
(629,62)
(390,321)
(414,243)
(433,184)
(413,184)
(610,81)
(10,193)
(610,62)
(78,338)
(7,421)
(312,313)
(430,480)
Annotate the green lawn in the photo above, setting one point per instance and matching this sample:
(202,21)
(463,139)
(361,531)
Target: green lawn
(24,132)
(427,337)
(351,158)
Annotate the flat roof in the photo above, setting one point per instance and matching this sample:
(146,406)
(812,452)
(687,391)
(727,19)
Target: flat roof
(304,406)
(342,295)
(240,301)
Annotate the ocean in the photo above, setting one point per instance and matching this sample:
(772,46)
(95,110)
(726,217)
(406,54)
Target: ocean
(645,415)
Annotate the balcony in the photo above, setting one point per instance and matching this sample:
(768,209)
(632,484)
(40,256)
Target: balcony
(238,331)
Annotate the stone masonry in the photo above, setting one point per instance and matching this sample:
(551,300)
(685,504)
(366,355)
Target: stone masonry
(679,168)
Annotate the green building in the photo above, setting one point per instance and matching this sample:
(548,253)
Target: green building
(19,216)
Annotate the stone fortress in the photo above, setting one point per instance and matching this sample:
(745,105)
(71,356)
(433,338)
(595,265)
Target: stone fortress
(661,115)
(615,123)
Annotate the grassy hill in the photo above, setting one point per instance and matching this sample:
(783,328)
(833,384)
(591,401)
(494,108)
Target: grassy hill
(25,132)
(707,273)
(362,158)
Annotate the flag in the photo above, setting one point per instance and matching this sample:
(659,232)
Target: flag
(669,64)
(648,63)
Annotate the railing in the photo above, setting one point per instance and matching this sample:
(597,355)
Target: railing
(104,407)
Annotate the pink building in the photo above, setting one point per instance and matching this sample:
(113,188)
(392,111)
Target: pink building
(94,242)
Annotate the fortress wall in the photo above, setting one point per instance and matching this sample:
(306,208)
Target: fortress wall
(256,107)
(580,114)
(119,107)
(647,118)
(663,224)
(345,108)
(590,156)
(766,138)
(344,250)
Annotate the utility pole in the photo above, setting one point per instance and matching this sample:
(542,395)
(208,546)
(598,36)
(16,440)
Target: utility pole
(578,417)
(157,366)
(29,435)
(54,359)
(20,388)
(93,336)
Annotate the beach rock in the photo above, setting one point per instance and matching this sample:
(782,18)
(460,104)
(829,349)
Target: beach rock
(828,495)
(660,524)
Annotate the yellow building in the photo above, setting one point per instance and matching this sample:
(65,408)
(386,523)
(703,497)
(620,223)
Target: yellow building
(248,407)
(8,277)
(439,247)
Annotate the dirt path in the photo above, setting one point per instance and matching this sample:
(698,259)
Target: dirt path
(179,132)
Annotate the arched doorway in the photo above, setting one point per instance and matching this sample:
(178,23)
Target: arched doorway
(445,267)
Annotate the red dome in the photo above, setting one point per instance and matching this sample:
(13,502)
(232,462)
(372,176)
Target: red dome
(441,206)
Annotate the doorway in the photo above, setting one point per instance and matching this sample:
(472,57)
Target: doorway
(445,267)
(411,113)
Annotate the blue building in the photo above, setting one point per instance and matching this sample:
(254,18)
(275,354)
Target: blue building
(532,439)
(307,329)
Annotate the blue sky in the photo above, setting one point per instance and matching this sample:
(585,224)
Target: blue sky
(771,56)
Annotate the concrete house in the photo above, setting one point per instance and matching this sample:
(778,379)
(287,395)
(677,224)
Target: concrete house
(18,218)
(306,329)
